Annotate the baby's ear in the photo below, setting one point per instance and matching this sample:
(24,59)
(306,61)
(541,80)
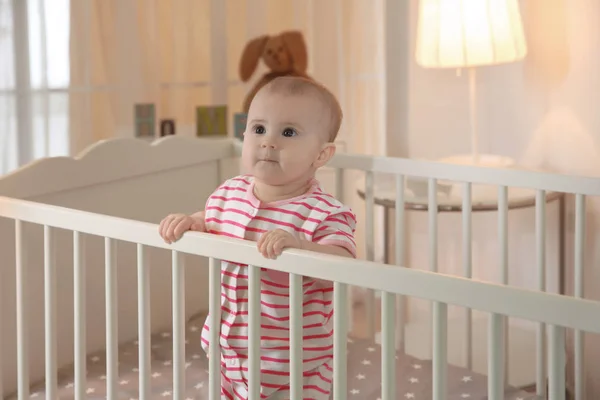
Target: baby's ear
(325,155)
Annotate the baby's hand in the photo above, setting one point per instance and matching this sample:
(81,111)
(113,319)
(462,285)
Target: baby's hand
(173,226)
(272,243)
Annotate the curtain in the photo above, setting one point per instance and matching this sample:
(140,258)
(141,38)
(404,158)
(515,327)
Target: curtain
(76,70)
(33,78)
(8,158)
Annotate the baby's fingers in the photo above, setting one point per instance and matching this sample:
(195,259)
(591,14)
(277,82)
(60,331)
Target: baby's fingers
(267,244)
(171,230)
(180,228)
(277,247)
(262,241)
(164,226)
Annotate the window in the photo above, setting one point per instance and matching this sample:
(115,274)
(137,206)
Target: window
(8,128)
(34,81)
(72,73)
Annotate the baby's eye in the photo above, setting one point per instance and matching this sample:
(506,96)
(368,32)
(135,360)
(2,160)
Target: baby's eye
(289,132)
(259,129)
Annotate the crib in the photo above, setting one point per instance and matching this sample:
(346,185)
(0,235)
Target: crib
(94,305)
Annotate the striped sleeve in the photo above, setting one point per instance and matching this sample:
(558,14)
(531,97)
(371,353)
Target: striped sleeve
(338,230)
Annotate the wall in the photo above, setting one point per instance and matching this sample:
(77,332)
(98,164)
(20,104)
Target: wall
(542,111)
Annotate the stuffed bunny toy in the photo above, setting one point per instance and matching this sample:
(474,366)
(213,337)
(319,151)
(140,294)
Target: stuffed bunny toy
(284,54)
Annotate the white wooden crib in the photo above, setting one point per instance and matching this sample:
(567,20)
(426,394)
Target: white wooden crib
(89,289)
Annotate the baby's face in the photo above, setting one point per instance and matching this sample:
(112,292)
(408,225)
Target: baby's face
(285,137)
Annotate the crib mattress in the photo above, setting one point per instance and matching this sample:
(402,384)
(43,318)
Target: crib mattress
(414,376)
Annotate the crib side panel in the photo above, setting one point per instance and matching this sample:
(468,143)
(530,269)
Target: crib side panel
(111,160)
(142,196)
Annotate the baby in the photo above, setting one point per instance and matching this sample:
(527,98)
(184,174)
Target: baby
(292,124)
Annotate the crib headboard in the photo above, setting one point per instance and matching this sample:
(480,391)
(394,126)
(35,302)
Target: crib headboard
(129,178)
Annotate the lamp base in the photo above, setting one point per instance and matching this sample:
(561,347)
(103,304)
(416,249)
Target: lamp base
(484,160)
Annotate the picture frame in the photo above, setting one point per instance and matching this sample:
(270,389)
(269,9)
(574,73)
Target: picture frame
(211,121)
(239,125)
(145,120)
(167,127)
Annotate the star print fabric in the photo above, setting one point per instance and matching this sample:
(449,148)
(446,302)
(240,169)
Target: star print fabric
(161,370)
(414,376)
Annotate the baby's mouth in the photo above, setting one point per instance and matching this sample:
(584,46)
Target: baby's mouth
(267,159)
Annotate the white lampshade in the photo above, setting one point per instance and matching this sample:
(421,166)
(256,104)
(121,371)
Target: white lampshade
(469,33)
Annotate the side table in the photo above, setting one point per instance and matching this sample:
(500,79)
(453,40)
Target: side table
(483,198)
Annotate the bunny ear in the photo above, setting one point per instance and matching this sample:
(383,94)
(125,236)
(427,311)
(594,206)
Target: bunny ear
(251,55)
(294,41)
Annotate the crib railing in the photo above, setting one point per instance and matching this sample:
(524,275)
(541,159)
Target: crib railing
(497,300)
(395,283)
(542,183)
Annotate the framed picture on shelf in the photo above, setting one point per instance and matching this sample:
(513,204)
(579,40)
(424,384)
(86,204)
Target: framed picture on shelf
(211,121)
(239,125)
(167,127)
(145,120)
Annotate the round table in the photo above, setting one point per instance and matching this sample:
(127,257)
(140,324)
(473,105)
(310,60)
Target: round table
(449,199)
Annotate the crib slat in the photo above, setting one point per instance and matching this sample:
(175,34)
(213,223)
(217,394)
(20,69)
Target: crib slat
(495,353)
(440,350)
(112,340)
(540,240)
(432,207)
(503,240)
(433,224)
(143,277)
(339,341)
(503,232)
(79,316)
(1,341)
(556,370)
(400,255)
(296,333)
(388,346)
(467,228)
(370,248)
(50,313)
(214,304)
(579,388)
(178,293)
(578,337)
(22,326)
(339,193)
(254,331)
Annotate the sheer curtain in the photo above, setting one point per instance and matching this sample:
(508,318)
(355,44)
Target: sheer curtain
(34,79)
(73,71)
(32,84)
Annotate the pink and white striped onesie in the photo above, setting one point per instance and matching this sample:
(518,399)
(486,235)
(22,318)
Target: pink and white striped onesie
(233,210)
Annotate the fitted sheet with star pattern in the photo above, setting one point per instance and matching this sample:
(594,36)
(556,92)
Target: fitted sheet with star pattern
(414,376)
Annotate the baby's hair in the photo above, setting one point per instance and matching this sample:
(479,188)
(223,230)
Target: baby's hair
(294,85)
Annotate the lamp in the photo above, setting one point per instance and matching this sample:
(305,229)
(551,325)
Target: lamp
(470,34)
